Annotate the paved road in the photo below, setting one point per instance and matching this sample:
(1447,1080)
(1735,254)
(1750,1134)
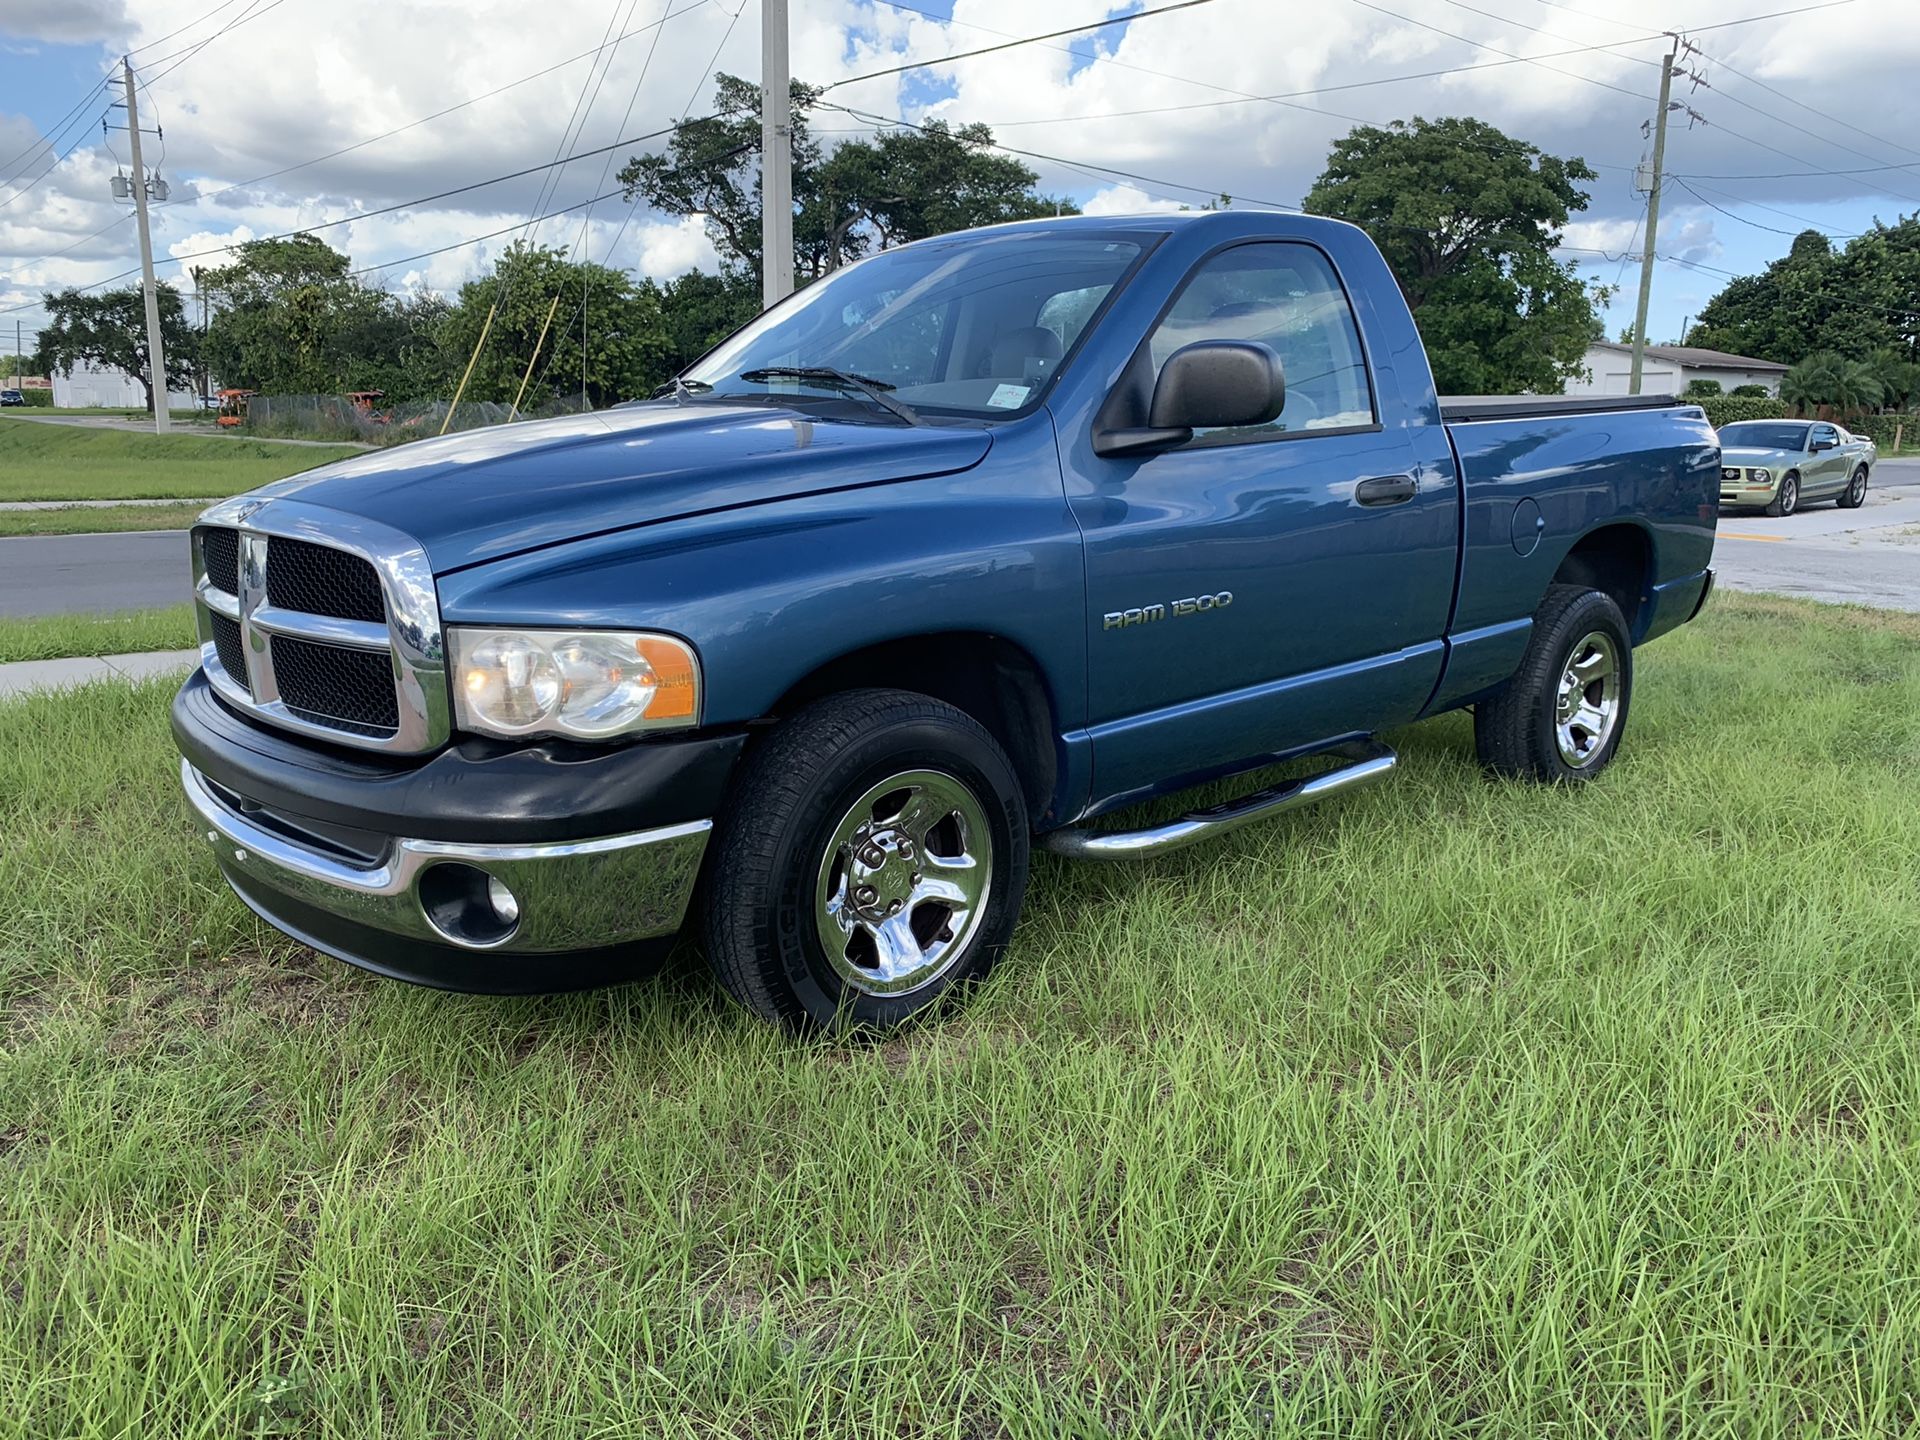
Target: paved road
(1869,556)
(70,574)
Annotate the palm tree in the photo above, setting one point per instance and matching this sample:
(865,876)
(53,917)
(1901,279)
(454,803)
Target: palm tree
(1810,384)
(1856,389)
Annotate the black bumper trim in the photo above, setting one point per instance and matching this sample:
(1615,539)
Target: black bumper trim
(472,790)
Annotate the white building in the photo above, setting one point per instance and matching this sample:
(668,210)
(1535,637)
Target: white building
(91,385)
(1667,370)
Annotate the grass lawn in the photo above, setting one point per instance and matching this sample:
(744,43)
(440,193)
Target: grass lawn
(1451,1109)
(97,519)
(70,462)
(52,637)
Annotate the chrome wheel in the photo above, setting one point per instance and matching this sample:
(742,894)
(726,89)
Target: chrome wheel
(1588,707)
(903,883)
(1857,488)
(1789,495)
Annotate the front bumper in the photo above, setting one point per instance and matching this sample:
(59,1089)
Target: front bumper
(357,856)
(1743,491)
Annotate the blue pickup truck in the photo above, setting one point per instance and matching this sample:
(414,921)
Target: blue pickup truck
(957,551)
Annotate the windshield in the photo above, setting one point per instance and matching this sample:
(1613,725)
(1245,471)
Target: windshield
(1764,435)
(972,325)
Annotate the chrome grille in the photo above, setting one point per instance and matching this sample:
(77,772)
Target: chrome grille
(334,685)
(323,581)
(321,623)
(222,548)
(228,645)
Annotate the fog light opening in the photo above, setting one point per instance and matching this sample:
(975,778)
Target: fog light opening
(468,906)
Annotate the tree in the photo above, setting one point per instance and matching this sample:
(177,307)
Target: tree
(902,185)
(110,330)
(700,310)
(1857,301)
(625,338)
(1468,218)
(288,319)
(1827,382)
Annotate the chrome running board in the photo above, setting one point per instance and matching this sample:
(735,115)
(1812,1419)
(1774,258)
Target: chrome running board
(1367,761)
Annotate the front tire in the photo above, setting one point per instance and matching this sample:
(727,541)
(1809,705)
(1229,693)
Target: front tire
(1855,495)
(871,864)
(1560,718)
(1787,498)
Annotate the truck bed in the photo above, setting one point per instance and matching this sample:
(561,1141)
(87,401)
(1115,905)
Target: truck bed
(1456,409)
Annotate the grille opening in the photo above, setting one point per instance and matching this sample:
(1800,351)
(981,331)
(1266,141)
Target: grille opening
(337,686)
(323,581)
(228,645)
(220,550)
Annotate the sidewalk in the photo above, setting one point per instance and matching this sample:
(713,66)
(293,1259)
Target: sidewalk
(24,675)
(91,504)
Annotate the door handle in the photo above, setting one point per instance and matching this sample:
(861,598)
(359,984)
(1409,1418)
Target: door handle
(1386,490)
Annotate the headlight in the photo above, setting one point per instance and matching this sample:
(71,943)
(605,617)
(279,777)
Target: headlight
(589,684)
(1761,475)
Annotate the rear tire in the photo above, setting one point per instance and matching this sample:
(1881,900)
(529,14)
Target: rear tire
(1787,498)
(1560,718)
(1855,495)
(870,865)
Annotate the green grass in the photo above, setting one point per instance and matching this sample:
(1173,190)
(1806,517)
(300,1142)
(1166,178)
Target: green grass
(70,462)
(98,519)
(1451,1109)
(52,637)
(125,412)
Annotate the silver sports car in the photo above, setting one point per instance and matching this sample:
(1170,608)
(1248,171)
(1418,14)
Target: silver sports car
(1782,464)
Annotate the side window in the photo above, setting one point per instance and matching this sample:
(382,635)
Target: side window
(1825,433)
(1287,296)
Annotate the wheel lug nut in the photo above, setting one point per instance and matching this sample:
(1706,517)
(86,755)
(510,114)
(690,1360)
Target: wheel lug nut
(866,894)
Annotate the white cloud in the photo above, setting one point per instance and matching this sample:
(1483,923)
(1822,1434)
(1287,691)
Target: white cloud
(64,22)
(277,92)
(1125,200)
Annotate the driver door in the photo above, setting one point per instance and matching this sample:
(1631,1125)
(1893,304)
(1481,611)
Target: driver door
(1266,587)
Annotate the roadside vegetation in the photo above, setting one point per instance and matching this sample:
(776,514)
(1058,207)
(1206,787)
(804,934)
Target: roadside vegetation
(98,519)
(56,637)
(1451,1109)
(70,462)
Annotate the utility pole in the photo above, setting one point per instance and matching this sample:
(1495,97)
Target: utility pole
(156,353)
(1653,222)
(17,354)
(776,157)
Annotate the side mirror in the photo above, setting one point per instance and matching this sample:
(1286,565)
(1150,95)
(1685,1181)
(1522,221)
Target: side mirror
(1208,383)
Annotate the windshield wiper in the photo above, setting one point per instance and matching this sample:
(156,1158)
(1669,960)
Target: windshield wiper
(863,385)
(680,387)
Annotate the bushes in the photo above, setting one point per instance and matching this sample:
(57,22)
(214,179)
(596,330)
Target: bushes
(43,399)
(1880,428)
(1725,409)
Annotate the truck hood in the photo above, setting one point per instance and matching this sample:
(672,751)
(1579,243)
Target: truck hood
(485,494)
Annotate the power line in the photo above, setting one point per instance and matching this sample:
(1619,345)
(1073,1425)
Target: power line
(1081,165)
(1834,119)
(1014,44)
(389,209)
(181,56)
(223,5)
(1773,229)
(1239,95)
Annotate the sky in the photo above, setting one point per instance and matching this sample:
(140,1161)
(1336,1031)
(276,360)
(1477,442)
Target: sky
(1794,121)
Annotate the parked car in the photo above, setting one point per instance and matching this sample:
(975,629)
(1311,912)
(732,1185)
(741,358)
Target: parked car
(961,549)
(12,397)
(1783,464)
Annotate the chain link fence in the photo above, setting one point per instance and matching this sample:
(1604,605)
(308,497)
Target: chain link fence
(335,417)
